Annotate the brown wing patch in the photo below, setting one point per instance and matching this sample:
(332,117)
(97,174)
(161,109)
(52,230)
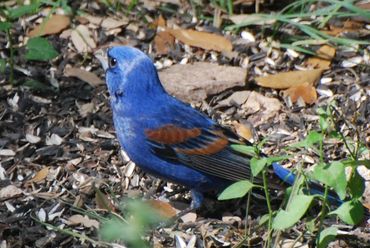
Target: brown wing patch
(211,148)
(171,134)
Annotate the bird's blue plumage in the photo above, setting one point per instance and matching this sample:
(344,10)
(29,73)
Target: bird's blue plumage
(167,137)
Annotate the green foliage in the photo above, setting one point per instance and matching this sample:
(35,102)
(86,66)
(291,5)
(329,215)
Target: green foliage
(236,190)
(326,236)
(2,65)
(23,10)
(247,150)
(333,175)
(311,139)
(40,49)
(5,26)
(351,212)
(311,33)
(296,209)
(140,218)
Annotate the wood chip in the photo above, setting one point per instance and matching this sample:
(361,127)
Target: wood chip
(82,40)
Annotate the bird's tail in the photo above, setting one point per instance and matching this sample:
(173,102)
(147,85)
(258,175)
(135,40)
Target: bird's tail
(313,187)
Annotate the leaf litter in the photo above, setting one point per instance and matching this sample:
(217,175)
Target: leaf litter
(58,150)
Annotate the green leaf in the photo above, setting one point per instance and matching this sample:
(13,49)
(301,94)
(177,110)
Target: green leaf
(23,10)
(356,185)
(236,190)
(332,175)
(351,212)
(263,220)
(326,236)
(35,85)
(4,26)
(40,49)
(248,150)
(257,165)
(296,209)
(311,139)
(324,122)
(2,66)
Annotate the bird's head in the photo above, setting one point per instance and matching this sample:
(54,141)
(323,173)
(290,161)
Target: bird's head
(131,74)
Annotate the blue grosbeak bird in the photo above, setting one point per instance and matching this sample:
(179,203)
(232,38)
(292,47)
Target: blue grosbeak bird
(168,138)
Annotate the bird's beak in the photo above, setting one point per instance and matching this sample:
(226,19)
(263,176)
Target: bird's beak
(101,55)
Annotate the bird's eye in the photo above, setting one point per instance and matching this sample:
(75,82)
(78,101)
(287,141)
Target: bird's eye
(112,62)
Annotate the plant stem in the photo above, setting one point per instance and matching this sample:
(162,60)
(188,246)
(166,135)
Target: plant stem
(322,212)
(11,60)
(265,187)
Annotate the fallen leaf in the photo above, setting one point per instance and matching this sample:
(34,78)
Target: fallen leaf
(53,139)
(7,152)
(163,208)
(203,40)
(40,175)
(32,138)
(189,217)
(103,202)
(111,23)
(244,130)
(306,91)
(159,22)
(323,59)
(163,42)
(78,219)
(251,19)
(195,82)
(9,192)
(83,75)
(363,5)
(53,25)
(260,108)
(348,26)
(289,79)
(82,40)
(235,99)
(85,109)
(96,20)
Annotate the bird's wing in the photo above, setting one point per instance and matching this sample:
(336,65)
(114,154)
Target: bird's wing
(206,149)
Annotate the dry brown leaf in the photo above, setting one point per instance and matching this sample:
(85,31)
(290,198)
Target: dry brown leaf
(306,91)
(9,192)
(244,130)
(83,75)
(103,202)
(323,59)
(160,22)
(40,175)
(111,23)
(78,219)
(82,40)
(260,108)
(53,25)
(203,40)
(289,79)
(163,42)
(163,208)
(348,26)
(363,5)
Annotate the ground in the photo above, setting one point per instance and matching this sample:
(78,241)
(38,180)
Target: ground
(59,157)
